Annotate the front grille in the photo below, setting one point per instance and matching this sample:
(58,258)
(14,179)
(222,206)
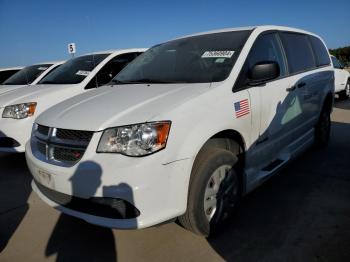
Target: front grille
(41,147)
(43,130)
(68,155)
(61,145)
(83,136)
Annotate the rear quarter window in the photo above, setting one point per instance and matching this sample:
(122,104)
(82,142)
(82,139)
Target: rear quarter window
(320,51)
(298,51)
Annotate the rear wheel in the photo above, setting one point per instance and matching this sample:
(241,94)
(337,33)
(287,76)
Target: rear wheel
(213,193)
(345,94)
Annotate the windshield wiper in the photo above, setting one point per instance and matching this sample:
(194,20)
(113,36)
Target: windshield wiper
(11,84)
(118,82)
(47,82)
(146,81)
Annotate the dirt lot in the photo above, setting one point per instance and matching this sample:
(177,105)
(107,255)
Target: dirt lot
(301,214)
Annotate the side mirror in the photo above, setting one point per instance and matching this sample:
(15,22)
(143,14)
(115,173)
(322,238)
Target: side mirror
(263,71)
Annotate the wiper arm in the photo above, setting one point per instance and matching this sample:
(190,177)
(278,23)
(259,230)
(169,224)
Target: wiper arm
(118,82)
(11,84)
(47,82)
(155,81)
(146,81)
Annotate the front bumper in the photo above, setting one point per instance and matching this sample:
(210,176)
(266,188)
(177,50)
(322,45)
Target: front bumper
(157,190)
(17,130)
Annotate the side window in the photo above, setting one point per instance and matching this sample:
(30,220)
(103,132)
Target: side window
(266,48)
(336,63)
(320,51)
(111,69)
(299,53)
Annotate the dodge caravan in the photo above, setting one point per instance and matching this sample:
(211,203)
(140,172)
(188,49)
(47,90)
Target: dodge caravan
(186,129)
(19,108)
(6,73)
(341,79)
(28,76)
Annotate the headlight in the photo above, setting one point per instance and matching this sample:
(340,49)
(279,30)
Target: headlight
(135,140)
(19,111)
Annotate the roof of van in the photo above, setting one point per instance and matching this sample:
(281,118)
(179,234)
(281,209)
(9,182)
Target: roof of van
(117,50)
(260,27)
(11,68)
(49,62)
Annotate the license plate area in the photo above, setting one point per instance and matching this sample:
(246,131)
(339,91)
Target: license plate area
(44,178)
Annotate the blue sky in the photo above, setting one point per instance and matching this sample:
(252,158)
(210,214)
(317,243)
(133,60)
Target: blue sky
(35,31)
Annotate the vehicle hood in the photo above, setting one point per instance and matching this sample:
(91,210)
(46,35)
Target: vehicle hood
(34,93)
(6,88)
(118,105)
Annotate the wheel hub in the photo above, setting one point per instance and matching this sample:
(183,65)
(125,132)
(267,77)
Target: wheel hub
(220,193)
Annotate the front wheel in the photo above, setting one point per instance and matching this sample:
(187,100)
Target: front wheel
(345,94)
(323,129)
(214,191)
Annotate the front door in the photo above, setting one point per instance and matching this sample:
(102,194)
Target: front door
(280,106)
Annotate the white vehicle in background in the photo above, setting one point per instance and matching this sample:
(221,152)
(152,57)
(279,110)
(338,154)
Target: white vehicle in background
(19,108)
(28,76)
(187,128)
(6,73)
(341,79)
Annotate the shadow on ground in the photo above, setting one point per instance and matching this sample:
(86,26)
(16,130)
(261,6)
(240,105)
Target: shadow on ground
(342,104)
(301,214)
(75,240)
(14,194)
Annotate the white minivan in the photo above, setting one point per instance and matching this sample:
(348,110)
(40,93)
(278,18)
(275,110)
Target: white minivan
(28,76)
(186,129)
(6,73)
(342,79)
(19,108)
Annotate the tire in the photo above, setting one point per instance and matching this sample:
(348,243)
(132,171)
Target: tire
(213,171)
(345,94)
(323,129)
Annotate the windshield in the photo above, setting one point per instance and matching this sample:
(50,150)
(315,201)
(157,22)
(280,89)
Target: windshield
(197,59)
(73,71)
(6,74)
(27,75)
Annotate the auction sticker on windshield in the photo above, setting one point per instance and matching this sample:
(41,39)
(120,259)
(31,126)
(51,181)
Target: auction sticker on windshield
(82,73)
(217,54)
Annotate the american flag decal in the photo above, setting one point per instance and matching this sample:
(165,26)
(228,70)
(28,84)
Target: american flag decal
(242,108)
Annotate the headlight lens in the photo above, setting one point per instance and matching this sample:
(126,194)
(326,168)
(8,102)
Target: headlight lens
(19,111)
(135,140)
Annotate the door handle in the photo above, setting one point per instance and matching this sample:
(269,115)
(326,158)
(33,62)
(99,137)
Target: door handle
(292,88)
(301,84)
